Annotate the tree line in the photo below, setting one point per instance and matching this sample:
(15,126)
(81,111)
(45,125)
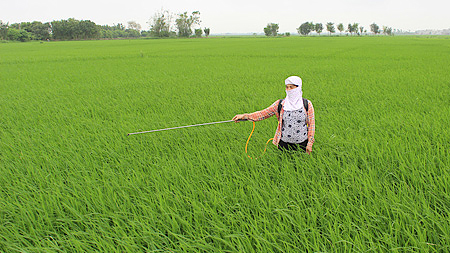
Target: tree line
(162,24)
(306,28)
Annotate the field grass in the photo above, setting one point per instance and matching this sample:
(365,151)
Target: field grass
(72,181)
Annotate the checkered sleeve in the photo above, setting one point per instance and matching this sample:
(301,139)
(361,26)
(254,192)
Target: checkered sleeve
(311,124)
(264,114)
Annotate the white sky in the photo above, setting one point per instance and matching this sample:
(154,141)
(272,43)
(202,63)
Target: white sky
(240,16)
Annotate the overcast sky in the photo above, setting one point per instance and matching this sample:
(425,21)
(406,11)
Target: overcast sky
(240,16)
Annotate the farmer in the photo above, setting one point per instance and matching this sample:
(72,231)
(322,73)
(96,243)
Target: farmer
(296,123)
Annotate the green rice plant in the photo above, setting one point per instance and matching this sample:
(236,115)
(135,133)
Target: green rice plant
(72,181)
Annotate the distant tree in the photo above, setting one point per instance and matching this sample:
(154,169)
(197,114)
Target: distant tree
(60,29)
(375,28)
(305,28)
(387,30)
(160,24)
(318,28)
(4,30)
(287,34)
(206,30)
(350,29)
(75,31)
(330,28)
(198,33)
(275,28)
(40,31)
(90,30)
(185,23)
(134,26)
(267,31)
(340,27)
(361,29)
(355,27)
(271,29)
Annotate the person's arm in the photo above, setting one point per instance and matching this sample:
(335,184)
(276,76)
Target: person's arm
(259,115)
(311,127)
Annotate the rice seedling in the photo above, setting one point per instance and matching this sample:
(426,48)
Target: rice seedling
(71,180)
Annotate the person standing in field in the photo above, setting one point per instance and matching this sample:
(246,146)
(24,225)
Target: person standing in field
(295,114)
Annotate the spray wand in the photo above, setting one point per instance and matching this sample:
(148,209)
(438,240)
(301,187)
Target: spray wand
(204,124)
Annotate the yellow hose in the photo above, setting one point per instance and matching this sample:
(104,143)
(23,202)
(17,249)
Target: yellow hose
(246,144)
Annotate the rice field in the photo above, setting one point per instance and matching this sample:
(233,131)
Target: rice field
(72,181)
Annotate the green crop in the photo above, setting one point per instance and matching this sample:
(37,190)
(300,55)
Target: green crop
(72,181)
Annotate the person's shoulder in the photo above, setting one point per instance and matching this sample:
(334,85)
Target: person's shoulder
(310,105)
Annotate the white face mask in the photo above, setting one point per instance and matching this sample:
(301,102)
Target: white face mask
(294,100)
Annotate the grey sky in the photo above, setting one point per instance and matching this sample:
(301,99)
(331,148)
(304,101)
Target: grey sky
(240,16)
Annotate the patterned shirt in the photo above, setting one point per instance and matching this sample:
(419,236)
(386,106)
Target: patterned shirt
(294,129)
(273,110)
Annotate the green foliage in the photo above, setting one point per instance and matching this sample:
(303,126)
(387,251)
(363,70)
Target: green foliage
(207,31)
(19,35)
(306,28)
(185,23)
(267,31)
(38,30)
(318,28)
(198,33)
(41,31)
(72,29)
(72,181)
(271,29)
(387,30)
(340,27)
(352,28)
(3,30)
(375,28)
(160,24)
(118,31)
(115,31)
(145,33)
(132,33)
(330,28)
(355,27)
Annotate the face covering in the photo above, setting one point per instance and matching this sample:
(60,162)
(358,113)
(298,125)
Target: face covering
(294,100)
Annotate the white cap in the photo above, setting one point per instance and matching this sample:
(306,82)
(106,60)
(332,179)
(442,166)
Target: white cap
(295,80)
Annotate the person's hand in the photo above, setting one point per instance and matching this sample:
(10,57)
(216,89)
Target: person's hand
(308,150)
(240,117)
